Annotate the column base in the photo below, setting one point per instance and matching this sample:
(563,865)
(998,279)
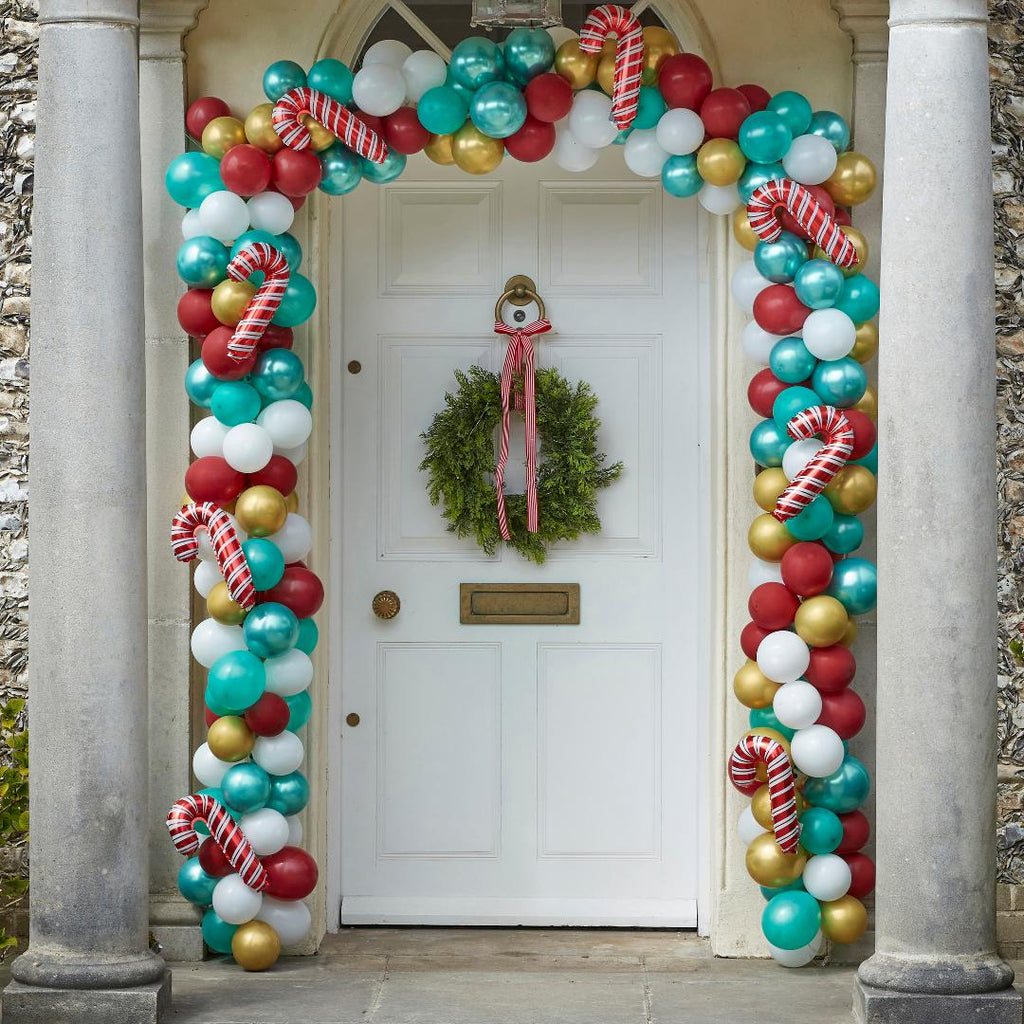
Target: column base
(32,1004)
(885,1006)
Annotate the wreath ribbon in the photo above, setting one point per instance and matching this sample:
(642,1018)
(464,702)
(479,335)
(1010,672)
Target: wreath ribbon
(519,360)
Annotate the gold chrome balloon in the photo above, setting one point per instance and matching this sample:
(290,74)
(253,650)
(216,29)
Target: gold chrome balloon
(221,607)
(752,687)
(742,231)
(320,137)
(255,945)
(844,919)
(821,621)
(768,485)
(221,134)
(291,502)
(259,129)
(761,807)
(659,44)
(850,633)
(720,162)
(475,152)
(769,865)
(852,181)
(229,300)
(868,403)
(769,539)
(606,73)
(860,243)
(439,149)
(230,738)
(261,510)
(865,348)
(852,490)
(579,69)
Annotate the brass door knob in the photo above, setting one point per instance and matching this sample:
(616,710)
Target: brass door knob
(386,604)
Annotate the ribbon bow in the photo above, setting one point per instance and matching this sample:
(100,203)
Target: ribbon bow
(518,360)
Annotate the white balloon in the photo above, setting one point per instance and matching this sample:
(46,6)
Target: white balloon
(278,755)
(293,455)
(748,827)
(758,343)
(234,901)
(207,437)
(680,131)
(379,89)
(590,119)
(829,334)
(288,422)
(644,156)
(810,159)
(783,656)
(798,454)
(560,34)
(747,284)
(271,211)
(224,215)
(720,199)
(191,226)
(797,705)
(207,767)
(761,571)
(206,577)
(294,830)
(266,829)
(791,957)
(817,750)
(212,640)
(294,539)
(206,552)
(289,673)
(289,918)
(391,52)
(248,447)
(827,877)
(570,154)
(422,70)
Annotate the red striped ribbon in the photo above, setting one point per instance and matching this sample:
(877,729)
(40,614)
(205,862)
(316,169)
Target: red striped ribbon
(629,55)
(334,116)
(765,202)
(519,360)
(181,822)
(226,546)
(264,304)
(752,751)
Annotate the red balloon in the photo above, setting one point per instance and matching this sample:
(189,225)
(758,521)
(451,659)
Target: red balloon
(824,200)
(757,96)
(763,389)
(533,141)
(750,639)
(807,568)
(403,131)
(723,111)
(293,873)
(772,606)
(862,868)
(213,861)
(195,312)
(685,80)
(372,121)
(778,311)
(268,716)
(245,169)
(864,432)
(219,361)
(842,216)
(296,172)
(212,479)
(279,473)
(210,717)
(548,98)
(831,668)
(275,337)
(856,832)
(844,712)
(201,112)
(299,589)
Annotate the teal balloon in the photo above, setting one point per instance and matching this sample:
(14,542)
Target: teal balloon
(821,831)
(779,261)
(475,62)
(235,402)
(818,284)
(790,361)
(278,374)
(813,521)
(380,174)
(855,585)
(289,245)
(840,382)
(297,303)
(528,52)
(309,636)
(794,110)
(842,791)
(620,140)
(200,384)
(870,460)
(270,629)
(202,261)
(304,395)
(498,109)
(764,718)
(791,401)
(191,177)
(217,933)
(765,137)
(443,110)
(755,175)
(768,443)
(288,793)
(246,787)
(282,76)
(218,794)
(845,535)
(791,919)
(301,706)
(680,177)
(266,563)
(342,170)
(236,679)
(829,125)
(650,107)
(195,884)
(332,77)
(859,299)
(795,886)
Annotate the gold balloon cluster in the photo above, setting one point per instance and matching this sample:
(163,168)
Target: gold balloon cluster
(581,69)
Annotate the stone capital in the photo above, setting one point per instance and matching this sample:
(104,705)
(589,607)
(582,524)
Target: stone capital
(163,24)
(866,22)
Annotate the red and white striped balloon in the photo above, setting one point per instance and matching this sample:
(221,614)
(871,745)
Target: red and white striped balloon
(629,56)
(815,476)
(752,751)
(334,116)
(253,257)
(226,546)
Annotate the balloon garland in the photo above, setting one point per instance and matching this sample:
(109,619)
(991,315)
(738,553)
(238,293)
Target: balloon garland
(811,331)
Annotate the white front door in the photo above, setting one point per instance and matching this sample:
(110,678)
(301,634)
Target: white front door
(520,774)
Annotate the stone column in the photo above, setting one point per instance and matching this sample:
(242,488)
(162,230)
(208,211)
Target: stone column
(88,956)
(935,912)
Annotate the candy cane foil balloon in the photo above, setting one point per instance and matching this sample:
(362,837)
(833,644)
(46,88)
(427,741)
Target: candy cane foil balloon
(767,199)
(264,304)
(815,476)
(749,753)
(181,821)
(334,116)
(226,546)
(629,56)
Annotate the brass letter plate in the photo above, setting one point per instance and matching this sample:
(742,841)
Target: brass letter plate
(519,604)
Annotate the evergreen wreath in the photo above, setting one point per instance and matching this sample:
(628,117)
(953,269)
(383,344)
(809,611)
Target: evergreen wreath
(460,463)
